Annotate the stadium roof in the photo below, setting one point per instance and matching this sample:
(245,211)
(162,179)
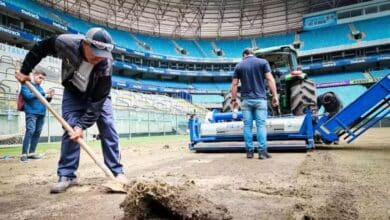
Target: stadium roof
(198,18)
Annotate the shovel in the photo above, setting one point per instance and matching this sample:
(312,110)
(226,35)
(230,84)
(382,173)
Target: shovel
(114,185)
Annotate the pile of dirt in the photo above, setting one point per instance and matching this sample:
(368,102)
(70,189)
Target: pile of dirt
(158,200)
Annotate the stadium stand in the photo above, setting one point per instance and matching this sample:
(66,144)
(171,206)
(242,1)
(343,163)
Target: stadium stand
(379,73)
(153,103)
(159,45)
(337,77)
(191,47)
(207,48)
(374,29)
(205,86)
(159,83)
(233,48)
(270,41)
(124,39)
(198,99)
(326,37)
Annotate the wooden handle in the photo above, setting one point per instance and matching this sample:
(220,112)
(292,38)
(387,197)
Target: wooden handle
(68,128)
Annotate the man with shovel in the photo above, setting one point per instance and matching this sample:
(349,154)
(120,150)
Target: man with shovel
(86,76)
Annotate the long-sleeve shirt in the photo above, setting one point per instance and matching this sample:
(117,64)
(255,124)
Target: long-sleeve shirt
(32,105)
(68,47)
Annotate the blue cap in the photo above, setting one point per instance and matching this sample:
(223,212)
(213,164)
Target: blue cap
(100,42)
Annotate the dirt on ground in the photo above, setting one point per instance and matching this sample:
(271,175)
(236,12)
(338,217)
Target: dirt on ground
(346,181)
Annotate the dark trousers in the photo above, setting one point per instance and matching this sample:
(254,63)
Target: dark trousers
(34,125)
(72,109)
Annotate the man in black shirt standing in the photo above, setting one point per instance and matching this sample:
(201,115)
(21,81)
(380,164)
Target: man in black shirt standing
(252,72)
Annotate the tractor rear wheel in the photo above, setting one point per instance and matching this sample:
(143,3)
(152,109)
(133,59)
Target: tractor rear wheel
(302,96)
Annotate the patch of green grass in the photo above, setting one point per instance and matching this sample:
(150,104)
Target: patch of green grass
(53,147)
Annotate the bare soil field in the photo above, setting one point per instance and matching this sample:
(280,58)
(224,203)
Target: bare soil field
(346,181)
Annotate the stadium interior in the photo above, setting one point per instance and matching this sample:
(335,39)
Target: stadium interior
(175,62)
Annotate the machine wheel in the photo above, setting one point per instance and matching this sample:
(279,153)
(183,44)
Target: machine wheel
(303,96)
(226,106)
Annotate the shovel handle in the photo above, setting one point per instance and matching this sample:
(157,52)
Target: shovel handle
(69,129)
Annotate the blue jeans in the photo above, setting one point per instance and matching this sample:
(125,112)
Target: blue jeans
(72,109)
(34,124)
(255,109)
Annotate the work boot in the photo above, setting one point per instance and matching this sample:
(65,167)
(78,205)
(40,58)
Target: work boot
(34,157)
(262,155)
(24,158)
(268,155)
(122,178)
(249,154)
(63,184)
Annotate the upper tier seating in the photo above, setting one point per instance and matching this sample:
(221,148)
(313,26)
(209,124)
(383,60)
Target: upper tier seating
(207,48)
(233,48)
(336,77)
(374,29)
(190,47)
(326,37)
(338,35)
(270,41)
(159,45)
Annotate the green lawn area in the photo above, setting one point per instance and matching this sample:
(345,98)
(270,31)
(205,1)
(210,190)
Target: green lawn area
(53,147)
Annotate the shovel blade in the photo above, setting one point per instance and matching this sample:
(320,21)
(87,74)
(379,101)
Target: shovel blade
(114,187)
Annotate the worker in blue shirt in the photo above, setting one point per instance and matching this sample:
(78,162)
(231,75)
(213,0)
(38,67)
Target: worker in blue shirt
(252,72)
(35,115)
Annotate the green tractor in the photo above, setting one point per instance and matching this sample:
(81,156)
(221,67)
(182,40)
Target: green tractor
(296,92)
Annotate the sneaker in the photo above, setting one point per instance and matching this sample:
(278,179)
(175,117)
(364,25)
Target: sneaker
(63,184)
(249,154)
(122,178)
(34,157)
(24,158)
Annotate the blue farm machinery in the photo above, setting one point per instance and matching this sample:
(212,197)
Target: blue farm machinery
(296,127)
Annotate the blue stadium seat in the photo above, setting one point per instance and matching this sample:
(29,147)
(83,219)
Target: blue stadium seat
(277,40)
(233,48)
(336,77)
(374,29)
(124,39)
(326,37)
(207,48)
(204,86)
(223,86)
(168,84)
(380,73)
(207,99)
(31,6)
(190,47)
(160,45)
